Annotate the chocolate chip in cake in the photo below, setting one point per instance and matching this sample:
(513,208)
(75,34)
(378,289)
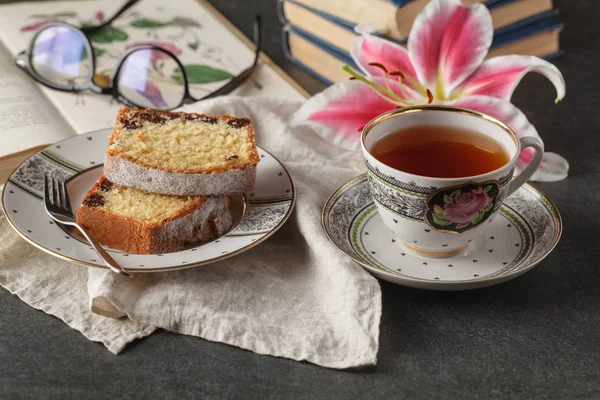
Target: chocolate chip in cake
(95,200)
(202,118)
(156,117)
(131,124)
(231,157)
(208,120)
(238,122)
(106,185)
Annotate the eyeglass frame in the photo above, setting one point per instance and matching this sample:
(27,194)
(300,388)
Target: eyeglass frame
(24,61)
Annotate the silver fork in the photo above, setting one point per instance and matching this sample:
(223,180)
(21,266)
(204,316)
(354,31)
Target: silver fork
(58,206)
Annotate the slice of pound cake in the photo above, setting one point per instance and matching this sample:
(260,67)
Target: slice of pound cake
(181,154)
(139,222)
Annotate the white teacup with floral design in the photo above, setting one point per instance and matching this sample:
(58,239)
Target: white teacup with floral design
(439,217)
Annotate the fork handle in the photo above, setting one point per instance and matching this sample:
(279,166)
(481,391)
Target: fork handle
(108,260)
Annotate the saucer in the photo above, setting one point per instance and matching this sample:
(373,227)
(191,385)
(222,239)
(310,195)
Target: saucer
(78,160)
(526,229)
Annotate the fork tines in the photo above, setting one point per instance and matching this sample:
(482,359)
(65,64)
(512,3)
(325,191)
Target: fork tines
(59,194)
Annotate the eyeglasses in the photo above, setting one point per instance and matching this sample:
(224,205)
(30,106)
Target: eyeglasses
(61,57)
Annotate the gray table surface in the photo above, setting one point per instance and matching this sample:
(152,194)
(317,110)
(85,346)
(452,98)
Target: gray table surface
(537,336)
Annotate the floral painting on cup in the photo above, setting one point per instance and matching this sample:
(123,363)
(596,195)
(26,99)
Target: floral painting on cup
(459,209)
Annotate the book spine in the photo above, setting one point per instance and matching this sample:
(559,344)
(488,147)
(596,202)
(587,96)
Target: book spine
(342,23)
(338,53)
(527,22)
(281,13)
(328,47)
(544,24)
(327,16)
(288,54)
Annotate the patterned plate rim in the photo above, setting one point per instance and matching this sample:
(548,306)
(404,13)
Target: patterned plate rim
(161,269)
(513,271)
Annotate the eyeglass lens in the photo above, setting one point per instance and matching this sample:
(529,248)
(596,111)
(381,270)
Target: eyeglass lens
(60,56)
(151,78)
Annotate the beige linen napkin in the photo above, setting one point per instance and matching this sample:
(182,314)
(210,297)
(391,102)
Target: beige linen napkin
(293,296)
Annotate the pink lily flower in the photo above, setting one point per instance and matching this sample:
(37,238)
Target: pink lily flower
(443,64)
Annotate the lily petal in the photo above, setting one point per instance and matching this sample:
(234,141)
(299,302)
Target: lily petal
(367,49)
(339,112)
(499,76)
(553,166)
(448,41)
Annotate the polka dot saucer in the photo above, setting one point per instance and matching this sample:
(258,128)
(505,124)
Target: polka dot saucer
(527,228)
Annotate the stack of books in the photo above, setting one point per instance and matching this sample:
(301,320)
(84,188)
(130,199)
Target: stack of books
(318,34)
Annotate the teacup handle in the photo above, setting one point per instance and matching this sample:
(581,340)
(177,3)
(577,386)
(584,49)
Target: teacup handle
(538,147)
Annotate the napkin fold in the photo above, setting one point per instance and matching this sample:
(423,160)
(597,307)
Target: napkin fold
(293,296)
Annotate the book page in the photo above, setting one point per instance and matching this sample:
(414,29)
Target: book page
(27,119)
(210,53)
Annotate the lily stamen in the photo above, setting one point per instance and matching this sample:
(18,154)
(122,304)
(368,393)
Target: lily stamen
(398,73)
(387,93)
(400,76)
(380,91)
(389,88)
(379,65)
(390,92)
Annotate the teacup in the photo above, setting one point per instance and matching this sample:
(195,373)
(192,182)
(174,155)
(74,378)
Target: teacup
(430,214)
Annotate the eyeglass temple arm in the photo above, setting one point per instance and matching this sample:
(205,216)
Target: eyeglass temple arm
(124,7)
(238,80)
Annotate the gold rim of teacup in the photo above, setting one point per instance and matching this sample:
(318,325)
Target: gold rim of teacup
(409,110)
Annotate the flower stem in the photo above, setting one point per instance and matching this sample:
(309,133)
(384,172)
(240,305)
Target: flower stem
(386,94)
(379,90)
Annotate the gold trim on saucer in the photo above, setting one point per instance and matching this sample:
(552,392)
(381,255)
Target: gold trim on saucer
(433,254)
(443,284)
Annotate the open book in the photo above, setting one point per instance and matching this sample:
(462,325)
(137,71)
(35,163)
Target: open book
(33,116)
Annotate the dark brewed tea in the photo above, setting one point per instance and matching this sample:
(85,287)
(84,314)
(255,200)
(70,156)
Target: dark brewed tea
(440,152)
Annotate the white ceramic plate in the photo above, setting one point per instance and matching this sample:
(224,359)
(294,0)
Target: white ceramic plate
(527,228)
(80,158)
